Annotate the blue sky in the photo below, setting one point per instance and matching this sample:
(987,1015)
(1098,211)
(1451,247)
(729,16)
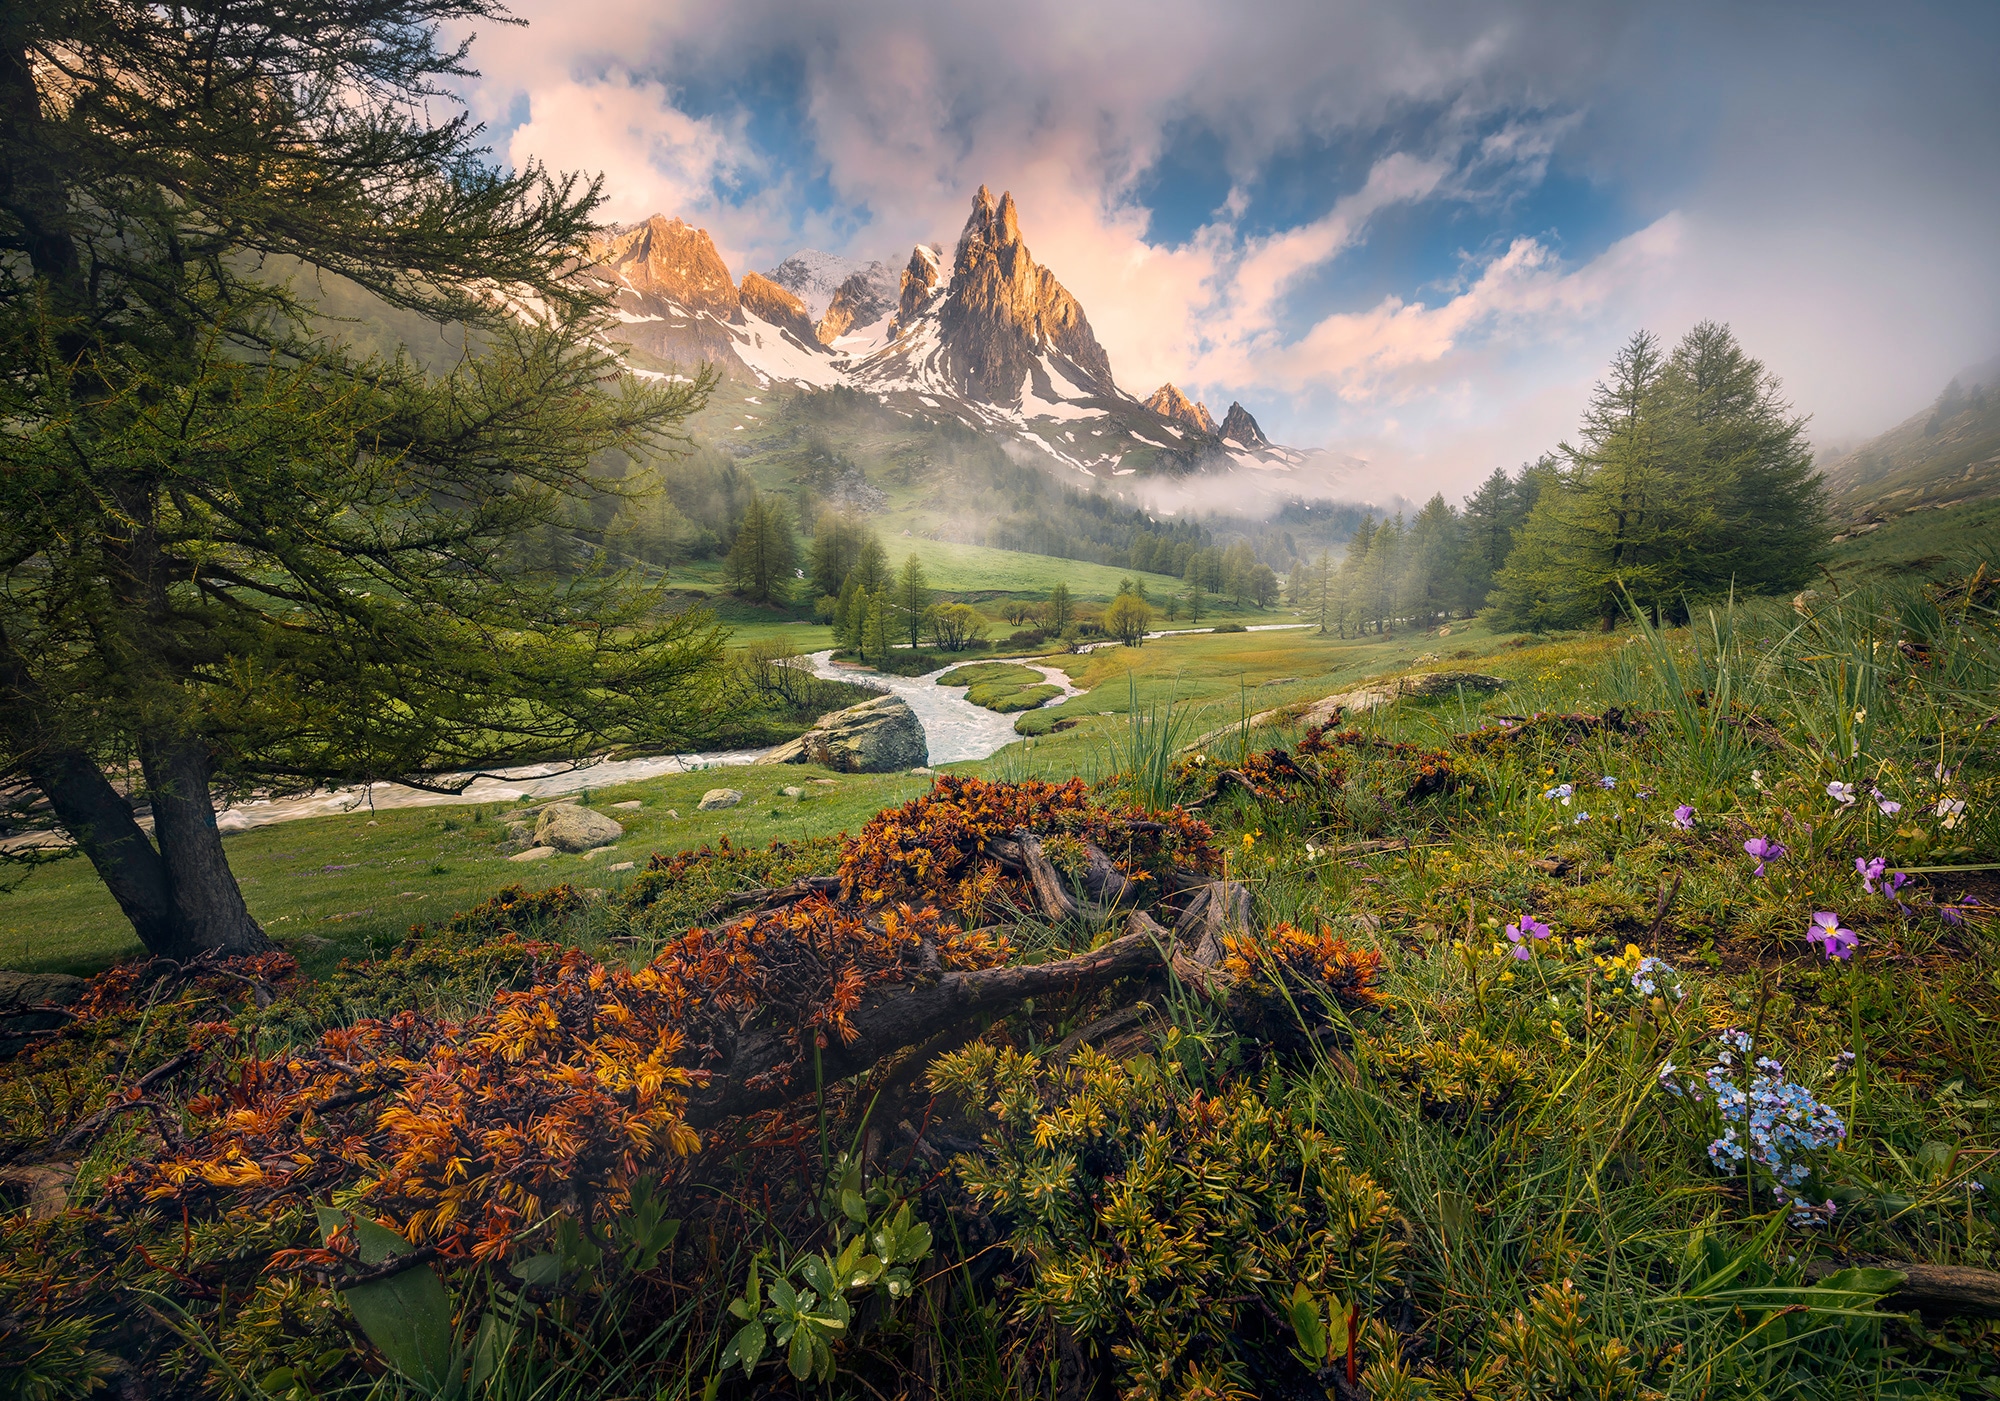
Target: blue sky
(1409,234)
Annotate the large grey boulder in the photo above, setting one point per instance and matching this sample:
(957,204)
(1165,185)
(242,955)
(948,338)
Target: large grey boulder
(882,735)
(568,827)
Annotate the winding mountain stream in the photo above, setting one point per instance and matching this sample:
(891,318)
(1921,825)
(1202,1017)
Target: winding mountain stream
(955,729)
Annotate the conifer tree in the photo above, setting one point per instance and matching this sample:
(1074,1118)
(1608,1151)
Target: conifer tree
(233,551)
(1061,612)
(1690,476)
(837,543)
(871,565)
(1298,584)
(761,562)
(880,628)
(843,613)
(913,599)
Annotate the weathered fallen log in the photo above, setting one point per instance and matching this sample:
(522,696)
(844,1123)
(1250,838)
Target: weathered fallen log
(749,1076)
(1104,885)
(1935,1289)
(1222,908)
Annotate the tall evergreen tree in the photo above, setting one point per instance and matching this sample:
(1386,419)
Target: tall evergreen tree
(1061,612)
(843,613)
(880,627)
(1741,444)
(837,541)
(233,551)
(871,566)
(761,562)
(913,599)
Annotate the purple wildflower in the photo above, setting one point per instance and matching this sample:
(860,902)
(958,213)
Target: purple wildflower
(1765,850)
(1842,793)
(1889,806)
(1684,818)
(1871,871)
(1608,781)
(1834,941)
(1519,934)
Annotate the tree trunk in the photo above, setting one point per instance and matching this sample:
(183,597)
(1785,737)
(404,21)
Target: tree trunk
(101,822)
(94,813)
(208,906)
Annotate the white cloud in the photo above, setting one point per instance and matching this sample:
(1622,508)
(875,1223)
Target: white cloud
(1832,198)
(652,156)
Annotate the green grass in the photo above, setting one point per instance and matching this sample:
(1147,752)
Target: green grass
(62,920)
(1512,1108)
(1001,687)
(336,887)
(1922,541)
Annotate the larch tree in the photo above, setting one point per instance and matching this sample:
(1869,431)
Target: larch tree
(766,551)
(1061,611)
(1690,477)
(235,555)
(913,599)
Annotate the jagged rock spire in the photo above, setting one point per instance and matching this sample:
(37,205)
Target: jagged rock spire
(1004,310)
(1239,426)
(1185,413)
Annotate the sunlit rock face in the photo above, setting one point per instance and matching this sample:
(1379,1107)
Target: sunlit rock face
(1005,310)
(671,291)
(863,299)
(777,306)
(1184,413)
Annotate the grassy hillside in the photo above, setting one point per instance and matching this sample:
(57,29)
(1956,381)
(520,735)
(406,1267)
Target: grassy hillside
(1945,455)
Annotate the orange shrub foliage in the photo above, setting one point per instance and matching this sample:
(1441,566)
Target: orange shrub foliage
(1285,951)
(932,849)
(463,1135)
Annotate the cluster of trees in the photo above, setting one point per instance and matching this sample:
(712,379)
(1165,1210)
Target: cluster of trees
(1690,476)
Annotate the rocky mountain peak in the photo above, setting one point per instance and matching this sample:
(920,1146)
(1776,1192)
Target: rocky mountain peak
(776,305)
(864,298)
(667,260)
(814,277)
(920,279)
(1004,310)
(1238,426)
(1187,414)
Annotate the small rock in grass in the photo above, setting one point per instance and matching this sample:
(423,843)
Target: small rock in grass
(791,791)
(717,798)
(409,895)
(534,853)
(629,805)
(921,772)
(674,813)
(621,866)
